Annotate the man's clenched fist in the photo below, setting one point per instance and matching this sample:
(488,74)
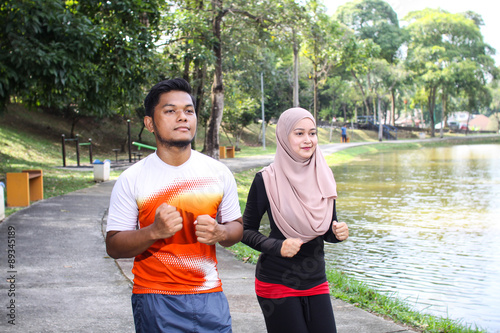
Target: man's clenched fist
(208,230)
(167,222)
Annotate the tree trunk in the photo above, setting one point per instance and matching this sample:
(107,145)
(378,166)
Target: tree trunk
(212,140)
(238,139)
(431,103)
(315,96)
(295,72)
(467,129)
(334,102)
(212,143)
(393,109)
(74,121)
(187,65)
(199,76)
(380,129)
(333,116)
(444,100)
(360,86)
(199,95)
(371,98)
(139,137)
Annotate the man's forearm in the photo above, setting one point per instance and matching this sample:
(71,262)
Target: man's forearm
(233,232)
(129,243)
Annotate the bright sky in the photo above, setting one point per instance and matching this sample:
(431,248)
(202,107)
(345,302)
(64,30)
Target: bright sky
(488,9)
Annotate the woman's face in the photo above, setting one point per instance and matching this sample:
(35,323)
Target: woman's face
(303,139)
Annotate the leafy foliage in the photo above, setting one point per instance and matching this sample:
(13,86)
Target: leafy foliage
(92,58)
(375,20)
(447,50)
(84,57)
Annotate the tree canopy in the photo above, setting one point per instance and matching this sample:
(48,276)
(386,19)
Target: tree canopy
(77,56)
(447,51)
(375,20)
(100,58)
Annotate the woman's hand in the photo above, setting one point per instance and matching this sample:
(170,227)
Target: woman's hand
(290,247)
(340,230)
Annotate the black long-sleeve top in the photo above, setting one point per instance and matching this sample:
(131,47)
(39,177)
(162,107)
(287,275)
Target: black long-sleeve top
(303,271)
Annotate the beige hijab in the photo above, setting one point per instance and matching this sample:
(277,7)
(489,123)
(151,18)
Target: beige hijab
(301,191)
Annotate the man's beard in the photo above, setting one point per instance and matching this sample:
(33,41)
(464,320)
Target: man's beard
(171,143)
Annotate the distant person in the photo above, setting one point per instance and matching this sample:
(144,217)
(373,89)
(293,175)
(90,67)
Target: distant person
(344,133)
(298,192)
(168,211)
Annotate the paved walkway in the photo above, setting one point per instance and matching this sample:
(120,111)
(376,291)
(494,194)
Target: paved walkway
(57,277)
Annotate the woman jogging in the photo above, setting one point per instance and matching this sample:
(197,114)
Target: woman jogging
(298,192)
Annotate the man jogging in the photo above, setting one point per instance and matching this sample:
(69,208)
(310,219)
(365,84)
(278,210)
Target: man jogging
(168,211)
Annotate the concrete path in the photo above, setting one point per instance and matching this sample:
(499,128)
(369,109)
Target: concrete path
(61,279)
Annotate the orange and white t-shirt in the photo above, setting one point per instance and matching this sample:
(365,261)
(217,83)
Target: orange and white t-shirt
(179,264)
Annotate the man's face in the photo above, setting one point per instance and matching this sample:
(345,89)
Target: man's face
(174,120)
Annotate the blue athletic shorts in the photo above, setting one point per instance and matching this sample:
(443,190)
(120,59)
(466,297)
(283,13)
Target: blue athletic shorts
(181,313)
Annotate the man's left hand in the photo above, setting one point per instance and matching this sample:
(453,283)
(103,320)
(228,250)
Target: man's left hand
(208,230)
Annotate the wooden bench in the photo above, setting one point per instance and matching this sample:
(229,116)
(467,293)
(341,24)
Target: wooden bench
(23,187)
(226,152)
(230,151)
(222,152)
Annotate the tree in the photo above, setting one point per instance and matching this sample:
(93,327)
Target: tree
(320,47)
(388,77)
(239,115)
(334,90)
(227,37)
(252,14)
(444,48)
(85,57)
(61,43)
(356,56)
(375,20)
(234,13)
(289,26)
(187,50)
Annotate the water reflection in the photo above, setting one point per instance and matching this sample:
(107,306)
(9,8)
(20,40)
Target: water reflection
(424,225)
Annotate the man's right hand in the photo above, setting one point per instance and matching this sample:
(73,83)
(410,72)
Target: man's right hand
(131,243)
(167,222)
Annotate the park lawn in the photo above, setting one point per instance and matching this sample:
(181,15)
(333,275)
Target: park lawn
(23,151)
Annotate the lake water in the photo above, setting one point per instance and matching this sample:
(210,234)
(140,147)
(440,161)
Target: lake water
(425,226)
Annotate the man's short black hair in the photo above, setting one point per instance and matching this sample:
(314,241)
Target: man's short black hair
(153,97)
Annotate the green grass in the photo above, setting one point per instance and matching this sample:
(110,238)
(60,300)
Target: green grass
(21,151)
(390,306)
